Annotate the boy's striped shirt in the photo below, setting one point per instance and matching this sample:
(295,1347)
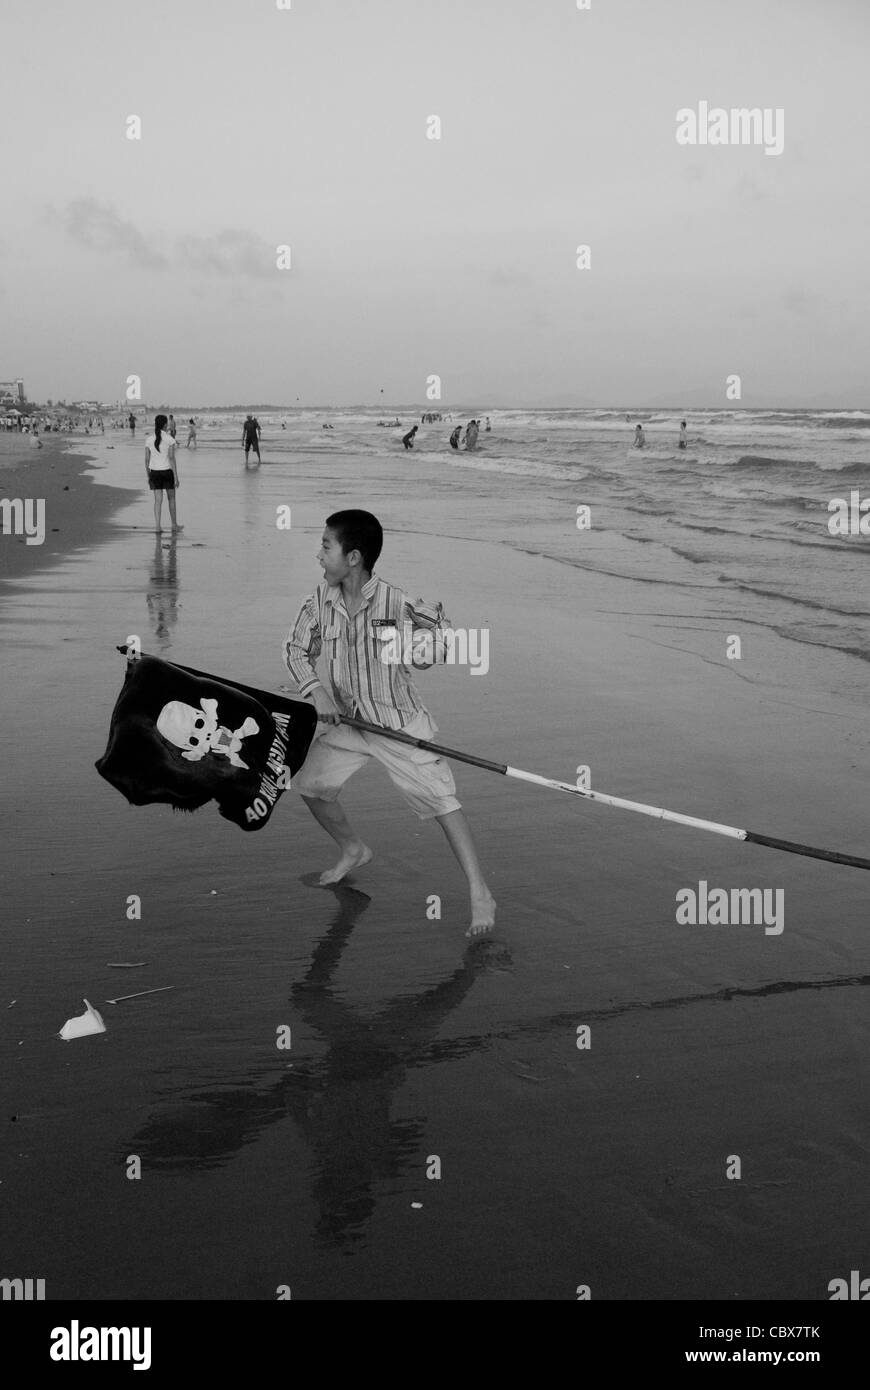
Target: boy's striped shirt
(360,682)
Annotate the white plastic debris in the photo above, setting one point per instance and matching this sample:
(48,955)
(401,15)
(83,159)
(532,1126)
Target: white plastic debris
(86,1023)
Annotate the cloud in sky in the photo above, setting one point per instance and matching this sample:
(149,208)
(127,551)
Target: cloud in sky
(99,227)
(230,253)
(799,300)
(309,127)
(748,190)
(509,279)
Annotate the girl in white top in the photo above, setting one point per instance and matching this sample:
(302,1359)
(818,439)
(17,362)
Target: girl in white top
(161,470)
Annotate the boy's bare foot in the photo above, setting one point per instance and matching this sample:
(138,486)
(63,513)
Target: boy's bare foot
(482,914)
(351,859)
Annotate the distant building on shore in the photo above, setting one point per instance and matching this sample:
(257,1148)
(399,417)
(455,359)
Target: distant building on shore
(12,393)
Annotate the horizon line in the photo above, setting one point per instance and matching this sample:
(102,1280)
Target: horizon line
(460,406)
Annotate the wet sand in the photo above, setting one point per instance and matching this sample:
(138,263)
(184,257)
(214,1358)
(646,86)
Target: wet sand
(559,1167)
(75,510)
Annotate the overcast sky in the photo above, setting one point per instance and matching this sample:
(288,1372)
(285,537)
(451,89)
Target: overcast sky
(411,256)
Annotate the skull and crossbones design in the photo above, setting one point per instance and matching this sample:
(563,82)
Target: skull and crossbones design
(197,731)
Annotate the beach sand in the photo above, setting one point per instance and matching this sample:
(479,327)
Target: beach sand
(559,1167)
(76,511)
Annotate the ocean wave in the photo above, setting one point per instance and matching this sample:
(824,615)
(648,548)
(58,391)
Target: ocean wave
(759,462)
(817,606)
(526,468)
(764,464)
(713,530)
(850,470)
(795,633)
(691,555)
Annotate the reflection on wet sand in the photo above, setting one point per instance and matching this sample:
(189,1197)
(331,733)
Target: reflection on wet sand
(161,595)
(340,1101)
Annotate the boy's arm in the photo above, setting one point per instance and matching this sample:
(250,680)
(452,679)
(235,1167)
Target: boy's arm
(302,647)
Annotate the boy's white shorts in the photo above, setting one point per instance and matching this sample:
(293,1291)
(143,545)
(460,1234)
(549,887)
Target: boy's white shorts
(424,779)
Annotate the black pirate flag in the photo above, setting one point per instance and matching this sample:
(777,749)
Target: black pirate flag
(183,737)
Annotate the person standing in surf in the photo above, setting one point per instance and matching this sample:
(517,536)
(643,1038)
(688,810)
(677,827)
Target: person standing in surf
(682,443)
(471,434)
(454,438)
(639,437)
(408,439)
(251,437)
(360,623)
(161,470)
(191,432)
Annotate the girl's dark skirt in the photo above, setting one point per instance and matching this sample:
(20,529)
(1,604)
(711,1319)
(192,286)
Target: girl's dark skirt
(161,478)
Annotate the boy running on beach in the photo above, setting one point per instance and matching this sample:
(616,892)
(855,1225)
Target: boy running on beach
(356,620)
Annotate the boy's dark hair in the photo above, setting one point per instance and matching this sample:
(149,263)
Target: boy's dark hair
(358,531)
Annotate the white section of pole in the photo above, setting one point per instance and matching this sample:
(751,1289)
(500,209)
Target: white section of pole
(657,811)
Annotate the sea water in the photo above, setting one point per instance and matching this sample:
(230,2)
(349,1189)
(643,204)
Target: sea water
(743,512)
